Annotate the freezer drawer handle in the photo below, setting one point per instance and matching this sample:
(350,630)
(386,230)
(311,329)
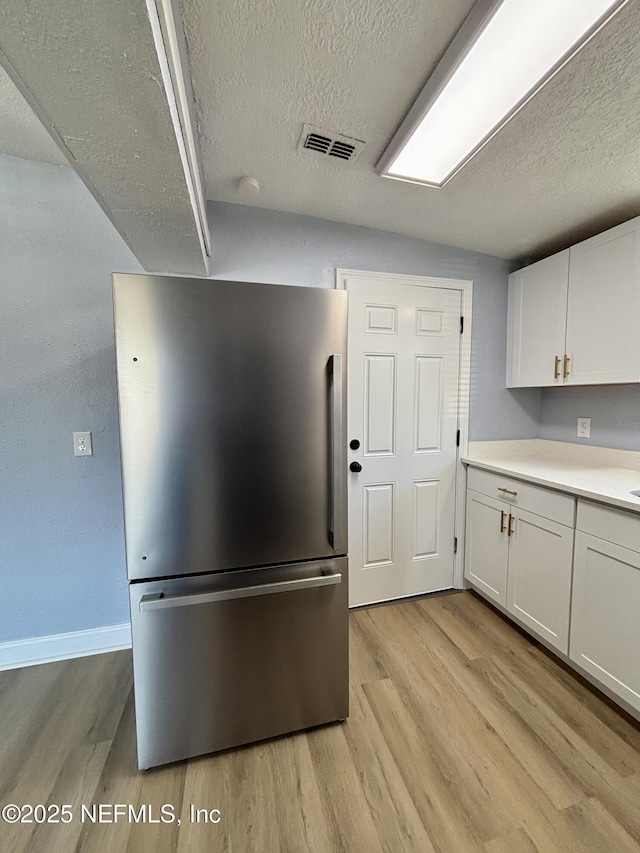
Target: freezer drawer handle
(159,601)
(337,533)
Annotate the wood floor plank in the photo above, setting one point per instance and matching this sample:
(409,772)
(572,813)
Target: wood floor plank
(468,630)
(515,842)
(251,777)
(75,785)
(348,820)
(364,657)
(535,758)
(208,786)
(163,786)
(587,710)
(120,782)
(428,782)
(581,711)
(483,770)
(586,766)
(464,737)
(63,724)
(23,712)
(115,686)
(584,828)
(394,813)
(298,800)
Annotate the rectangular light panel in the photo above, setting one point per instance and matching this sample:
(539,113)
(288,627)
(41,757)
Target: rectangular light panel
(519,47)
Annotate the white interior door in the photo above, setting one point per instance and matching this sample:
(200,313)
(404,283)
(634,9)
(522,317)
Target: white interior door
(404,355)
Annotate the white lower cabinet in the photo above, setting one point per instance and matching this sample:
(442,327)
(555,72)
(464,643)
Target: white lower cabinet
(605,614)
(539,580)
(487,547)
(521,560)
(571,580)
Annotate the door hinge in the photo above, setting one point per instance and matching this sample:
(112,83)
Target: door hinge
(458,438)
(455,544)
(461,325)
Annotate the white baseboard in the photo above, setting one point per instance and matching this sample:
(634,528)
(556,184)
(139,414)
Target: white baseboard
(73,644)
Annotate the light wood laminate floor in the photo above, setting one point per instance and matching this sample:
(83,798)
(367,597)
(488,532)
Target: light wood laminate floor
(464,735)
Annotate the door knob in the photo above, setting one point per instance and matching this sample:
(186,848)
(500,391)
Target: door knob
(356,467)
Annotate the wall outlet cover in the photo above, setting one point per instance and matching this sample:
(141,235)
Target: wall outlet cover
(584,428)
(82,444)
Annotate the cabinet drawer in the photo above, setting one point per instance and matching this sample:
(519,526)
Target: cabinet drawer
(609,523)
(545,502)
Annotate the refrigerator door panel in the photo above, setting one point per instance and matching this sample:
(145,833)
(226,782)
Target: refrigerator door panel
(231,423)
(234,657)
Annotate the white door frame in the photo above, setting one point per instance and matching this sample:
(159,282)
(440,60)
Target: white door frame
(466,290)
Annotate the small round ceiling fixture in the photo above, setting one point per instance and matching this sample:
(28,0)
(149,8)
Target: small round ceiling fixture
(248,187)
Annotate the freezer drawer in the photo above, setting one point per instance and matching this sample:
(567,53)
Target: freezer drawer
(233,657)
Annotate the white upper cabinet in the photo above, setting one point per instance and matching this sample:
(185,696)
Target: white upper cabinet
(573,317)
(537,322)
(603,315)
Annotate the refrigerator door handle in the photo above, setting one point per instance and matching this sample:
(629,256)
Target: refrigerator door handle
(159,601)
(337,533)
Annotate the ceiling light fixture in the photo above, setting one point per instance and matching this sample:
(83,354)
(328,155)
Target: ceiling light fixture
(505,51)
(171,47)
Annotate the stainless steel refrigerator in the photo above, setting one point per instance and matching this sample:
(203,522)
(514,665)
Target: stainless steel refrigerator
(231,402)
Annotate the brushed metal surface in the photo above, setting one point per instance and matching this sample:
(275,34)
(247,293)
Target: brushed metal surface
(220,674)
(226,416)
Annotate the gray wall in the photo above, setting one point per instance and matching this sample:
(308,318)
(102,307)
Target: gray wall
(262,245)
(62,552)
(614,411)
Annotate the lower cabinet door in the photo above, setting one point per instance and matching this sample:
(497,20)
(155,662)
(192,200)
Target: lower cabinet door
(539,588)
(605,623)
(487,545)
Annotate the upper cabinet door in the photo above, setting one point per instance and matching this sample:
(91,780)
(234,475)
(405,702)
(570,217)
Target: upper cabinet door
(537,311)
(603,332)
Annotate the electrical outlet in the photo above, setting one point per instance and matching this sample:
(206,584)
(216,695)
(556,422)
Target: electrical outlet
(584,428)
(82,444)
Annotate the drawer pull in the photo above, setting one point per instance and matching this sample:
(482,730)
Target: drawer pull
(509,528)
(502,517)
(507,491)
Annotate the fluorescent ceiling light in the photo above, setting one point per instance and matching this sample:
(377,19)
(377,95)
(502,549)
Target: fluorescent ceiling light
(504,53)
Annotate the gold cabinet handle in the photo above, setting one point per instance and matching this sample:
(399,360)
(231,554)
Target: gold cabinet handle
(556,368)
(509,528)
(506,491)
(567,359)
(502,517)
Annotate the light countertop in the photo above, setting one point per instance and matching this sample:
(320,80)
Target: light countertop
(597,473)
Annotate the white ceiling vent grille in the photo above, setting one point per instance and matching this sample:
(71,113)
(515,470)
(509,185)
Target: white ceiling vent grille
(330,144)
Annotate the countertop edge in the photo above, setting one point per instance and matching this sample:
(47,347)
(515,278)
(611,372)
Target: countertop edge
(556,485)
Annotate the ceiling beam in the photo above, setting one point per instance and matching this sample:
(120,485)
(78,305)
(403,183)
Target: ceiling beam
(91,72)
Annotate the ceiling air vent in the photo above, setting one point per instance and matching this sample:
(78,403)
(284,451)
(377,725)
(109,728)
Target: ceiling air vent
(330,144)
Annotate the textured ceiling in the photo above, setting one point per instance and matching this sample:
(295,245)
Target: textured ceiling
(21,132)
(567,166)
(90,71)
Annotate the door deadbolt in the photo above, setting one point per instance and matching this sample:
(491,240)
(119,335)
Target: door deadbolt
(354,444)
